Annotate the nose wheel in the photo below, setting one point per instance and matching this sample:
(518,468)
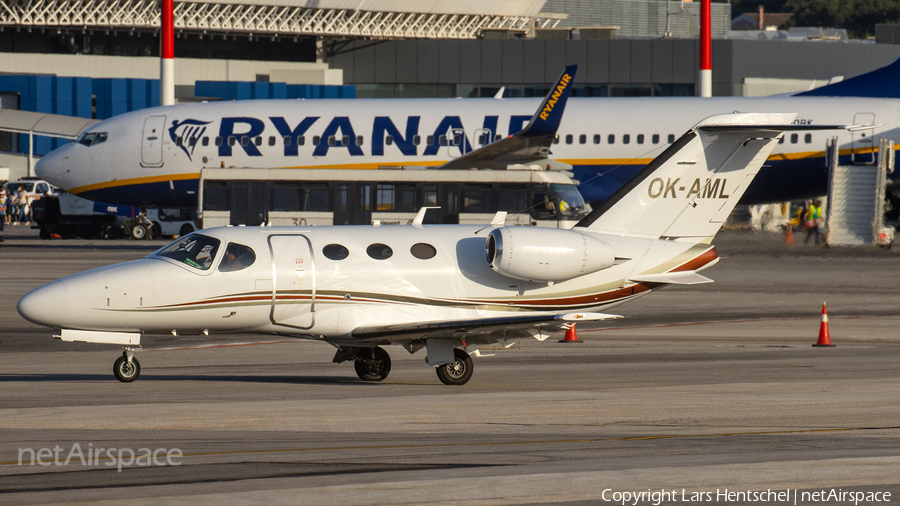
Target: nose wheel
(373,367)
(127,368)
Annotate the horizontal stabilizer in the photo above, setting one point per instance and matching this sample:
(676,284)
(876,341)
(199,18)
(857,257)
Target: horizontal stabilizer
(672,278)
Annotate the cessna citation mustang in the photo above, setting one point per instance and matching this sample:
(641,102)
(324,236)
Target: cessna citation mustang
(154,156)
(447,288)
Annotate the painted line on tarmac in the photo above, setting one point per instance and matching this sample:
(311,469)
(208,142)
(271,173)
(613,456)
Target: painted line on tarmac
(712,322)
(515,443)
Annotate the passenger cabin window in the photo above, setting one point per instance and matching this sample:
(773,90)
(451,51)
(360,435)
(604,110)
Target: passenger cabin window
(556,139)
(640,138)
(245,140)
(671,138)
(389,140)
(655,139)
(582,139)
(179,141)
(611,139)
(359,140)
(781,140)
(417,139)
(237,257)
(379,251)
(258,141)
(287,140)
(794,138)
(195,250)
(206,141)
(808,138)
(271,140)
(569,139)
(423,251)
(231,140)
(626,139)
(335,252)
(317,141)
(596,138)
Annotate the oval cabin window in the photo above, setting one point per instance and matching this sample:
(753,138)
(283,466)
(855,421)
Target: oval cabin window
(335,252)
(423,251)
(379,251)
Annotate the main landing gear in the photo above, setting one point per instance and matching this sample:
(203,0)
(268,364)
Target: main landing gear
(373,364)
(127,368)
(458,372)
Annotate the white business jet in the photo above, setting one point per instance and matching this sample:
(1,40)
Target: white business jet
(154,156)
(447,288)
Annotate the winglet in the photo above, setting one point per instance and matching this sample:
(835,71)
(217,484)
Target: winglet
(548,116)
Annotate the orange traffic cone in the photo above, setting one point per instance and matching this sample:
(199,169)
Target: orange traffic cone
(824,337)
(789,236)
(571,335)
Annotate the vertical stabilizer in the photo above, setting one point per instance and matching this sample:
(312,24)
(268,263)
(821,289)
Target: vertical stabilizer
(690,189)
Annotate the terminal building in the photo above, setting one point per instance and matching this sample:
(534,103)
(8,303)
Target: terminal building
(94,60)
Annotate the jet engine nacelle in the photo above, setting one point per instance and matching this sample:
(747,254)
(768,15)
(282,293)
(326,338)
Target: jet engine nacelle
(546,254)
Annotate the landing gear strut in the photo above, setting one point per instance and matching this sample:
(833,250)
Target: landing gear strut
(458,372)
(372,364)
(127,368)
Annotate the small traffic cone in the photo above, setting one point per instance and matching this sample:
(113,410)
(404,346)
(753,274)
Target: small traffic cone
(571,335)
(789,236)
(824,337)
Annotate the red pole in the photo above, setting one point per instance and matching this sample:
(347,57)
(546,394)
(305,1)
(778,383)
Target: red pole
(705,49)
(167,53)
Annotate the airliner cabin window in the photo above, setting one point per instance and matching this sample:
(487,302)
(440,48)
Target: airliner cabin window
(218,141)
(781,140)
(808,138)
(655,138)
(379,251)
(287,140)
(331,141)
(301,140)
(178,141)
(237,257)
(442,140)
(671,138)
(596,138)
(429,140)
(317,141)
(556,139)
(245,140)
(582,139)
(271,140)
(206,141)
(335,252)
(794,138)
(345,140)
(231,140)
(626,139)
(196,250)
(359,140)
(569,139)
(417,139)
(258,141)
(193,141)
(640,138)
(423,251)
(611,139)
(389,140)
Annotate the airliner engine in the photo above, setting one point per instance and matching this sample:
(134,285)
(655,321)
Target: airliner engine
(545,255)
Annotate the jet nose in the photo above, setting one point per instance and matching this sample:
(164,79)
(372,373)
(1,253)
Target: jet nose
(45,305)
(52,166)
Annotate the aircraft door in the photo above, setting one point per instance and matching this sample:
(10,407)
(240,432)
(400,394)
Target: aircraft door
(862,149)
(457,143)
(294,281)
(152,141)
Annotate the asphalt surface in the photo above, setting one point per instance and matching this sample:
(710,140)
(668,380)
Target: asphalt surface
(700,389)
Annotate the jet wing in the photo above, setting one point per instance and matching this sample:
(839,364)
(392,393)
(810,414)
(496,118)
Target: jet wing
(530,145)
(478,331)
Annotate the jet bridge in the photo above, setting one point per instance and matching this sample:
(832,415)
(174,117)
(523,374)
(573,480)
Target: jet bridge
(855,212)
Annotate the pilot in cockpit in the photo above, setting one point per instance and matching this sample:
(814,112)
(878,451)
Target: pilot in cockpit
(237,257)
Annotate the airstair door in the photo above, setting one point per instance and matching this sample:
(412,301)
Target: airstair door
(152,141)
(862,149)
(294,281)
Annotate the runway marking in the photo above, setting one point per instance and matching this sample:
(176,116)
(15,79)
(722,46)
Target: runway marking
(515,443)
(711,322)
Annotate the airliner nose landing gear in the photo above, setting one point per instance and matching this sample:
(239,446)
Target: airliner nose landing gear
(127,368)
(458,372)
(373,364)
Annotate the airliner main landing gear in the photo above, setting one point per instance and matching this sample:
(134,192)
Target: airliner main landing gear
(127,368)
(372,364)
(458,372)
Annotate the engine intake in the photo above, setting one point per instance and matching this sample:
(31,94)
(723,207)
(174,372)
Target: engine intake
(546,254)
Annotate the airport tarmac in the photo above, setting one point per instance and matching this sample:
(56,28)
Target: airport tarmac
(700,389)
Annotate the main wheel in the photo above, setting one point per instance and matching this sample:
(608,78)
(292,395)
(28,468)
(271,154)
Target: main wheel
(155,230)
(458,372)
(138,232)
(125,372)
(375,368)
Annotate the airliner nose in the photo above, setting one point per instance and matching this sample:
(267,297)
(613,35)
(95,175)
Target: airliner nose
(52,165)
(45,305)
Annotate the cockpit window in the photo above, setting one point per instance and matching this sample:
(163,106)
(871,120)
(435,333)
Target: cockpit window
(196,250)
(237,257)
(91,138)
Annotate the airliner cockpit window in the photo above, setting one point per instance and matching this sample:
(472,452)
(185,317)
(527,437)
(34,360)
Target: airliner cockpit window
(237,257)
(195,250)
(91,138)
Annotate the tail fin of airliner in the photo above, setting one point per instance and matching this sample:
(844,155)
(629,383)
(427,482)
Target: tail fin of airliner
(690,189)
(880,83)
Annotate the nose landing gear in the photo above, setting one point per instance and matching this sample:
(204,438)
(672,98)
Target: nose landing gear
(127,368)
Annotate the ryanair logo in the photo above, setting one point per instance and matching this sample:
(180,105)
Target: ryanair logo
(188,131)
(554,98)
(669,188)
